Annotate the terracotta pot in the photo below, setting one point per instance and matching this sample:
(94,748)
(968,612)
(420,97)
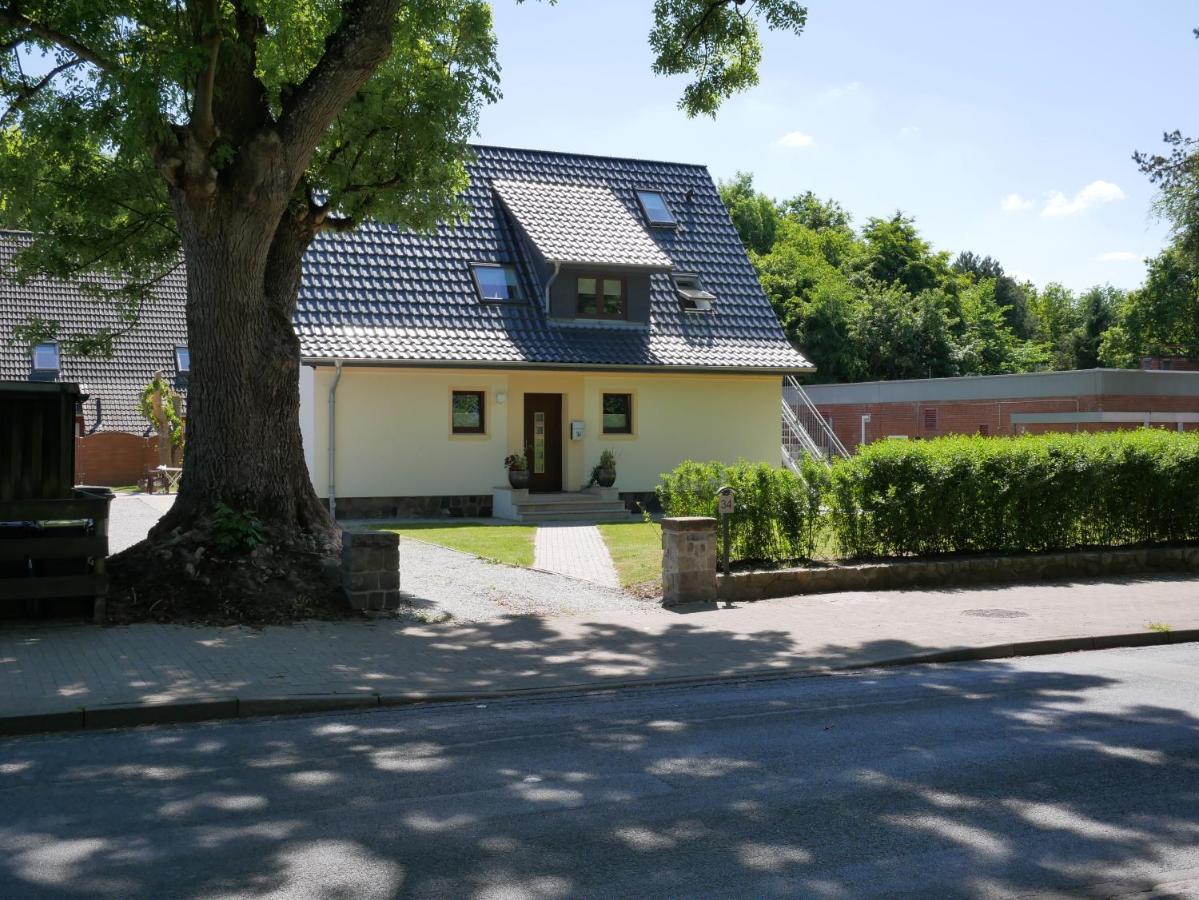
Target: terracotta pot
(518,478)
(605,477)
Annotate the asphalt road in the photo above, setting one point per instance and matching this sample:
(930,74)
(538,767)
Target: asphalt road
(1050,776)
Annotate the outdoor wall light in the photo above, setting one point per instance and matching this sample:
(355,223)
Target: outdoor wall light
(500,397)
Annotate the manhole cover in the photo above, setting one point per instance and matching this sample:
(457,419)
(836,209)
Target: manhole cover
(995,613)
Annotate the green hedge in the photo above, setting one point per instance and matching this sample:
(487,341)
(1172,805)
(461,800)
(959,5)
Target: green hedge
(958,495)
(777,511)
(1043,492)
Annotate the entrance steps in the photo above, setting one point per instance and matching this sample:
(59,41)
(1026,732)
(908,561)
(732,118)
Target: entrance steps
(590,506)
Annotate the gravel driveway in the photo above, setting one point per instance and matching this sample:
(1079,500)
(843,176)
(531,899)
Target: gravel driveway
(434,579)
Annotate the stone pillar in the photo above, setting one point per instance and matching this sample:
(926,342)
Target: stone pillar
(370,569)
(688,560)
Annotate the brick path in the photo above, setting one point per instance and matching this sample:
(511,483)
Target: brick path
(575,550)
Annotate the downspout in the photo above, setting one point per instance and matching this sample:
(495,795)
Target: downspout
(865,422)
(557,266)
(333,439)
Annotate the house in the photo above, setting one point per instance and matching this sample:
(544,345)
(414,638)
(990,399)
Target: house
(114,443)
(1081,400)
(585,304)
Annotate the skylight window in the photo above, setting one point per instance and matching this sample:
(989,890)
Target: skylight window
(496,283)
(692,294)
(653,203)
(183,360)
(45,357)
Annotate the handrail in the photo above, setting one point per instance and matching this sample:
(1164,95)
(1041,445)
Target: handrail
(813,420)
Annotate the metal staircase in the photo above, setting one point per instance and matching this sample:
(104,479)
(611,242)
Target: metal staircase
(805,430)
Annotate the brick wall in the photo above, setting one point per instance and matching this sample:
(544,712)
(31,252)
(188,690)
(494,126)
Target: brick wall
(992,417)
(113,458)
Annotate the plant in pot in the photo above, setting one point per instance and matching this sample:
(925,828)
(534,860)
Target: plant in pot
(518,470)
(604,473)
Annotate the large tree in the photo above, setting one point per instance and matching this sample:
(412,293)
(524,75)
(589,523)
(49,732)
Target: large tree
(224,135)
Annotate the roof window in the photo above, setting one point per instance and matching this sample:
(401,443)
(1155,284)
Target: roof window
(653,203)
(496,283)
(45,357)
(183,360)
(692,294)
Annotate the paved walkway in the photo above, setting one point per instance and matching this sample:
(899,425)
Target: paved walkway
(68,667)
(131,517)
(575,550)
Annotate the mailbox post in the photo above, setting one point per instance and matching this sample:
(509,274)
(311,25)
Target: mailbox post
(726,503)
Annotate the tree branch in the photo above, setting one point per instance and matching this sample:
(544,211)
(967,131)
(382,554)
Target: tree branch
(352,54)
(203,120)
(11,18)
(29,91)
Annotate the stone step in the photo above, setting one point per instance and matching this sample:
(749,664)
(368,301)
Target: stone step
(597,506)
(579,517)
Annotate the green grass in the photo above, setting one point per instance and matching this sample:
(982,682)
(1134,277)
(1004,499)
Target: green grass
(509,544)
(636,550)
(125,489)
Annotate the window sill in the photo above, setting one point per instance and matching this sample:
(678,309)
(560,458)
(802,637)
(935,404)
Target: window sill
(615,324)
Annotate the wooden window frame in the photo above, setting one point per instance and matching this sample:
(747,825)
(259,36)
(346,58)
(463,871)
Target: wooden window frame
(599,297)
(628,429)
(461,429)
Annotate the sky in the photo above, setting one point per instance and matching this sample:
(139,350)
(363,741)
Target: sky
(1005,129)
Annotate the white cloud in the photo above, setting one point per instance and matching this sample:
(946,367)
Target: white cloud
(1093,194)
(909,131)
(840,90)
(1015,203)
(796,139)
(1119,256)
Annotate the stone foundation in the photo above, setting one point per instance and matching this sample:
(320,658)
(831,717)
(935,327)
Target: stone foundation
(370,569)
(688,560)
(469,506)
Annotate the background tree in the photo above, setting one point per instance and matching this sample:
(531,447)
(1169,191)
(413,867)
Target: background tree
(755,215)
(228,134)
(161,406)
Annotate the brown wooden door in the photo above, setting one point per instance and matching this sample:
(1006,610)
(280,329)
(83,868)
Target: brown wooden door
(543,441)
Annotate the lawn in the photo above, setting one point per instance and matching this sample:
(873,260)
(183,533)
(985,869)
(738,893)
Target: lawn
(636,550)
(509,544)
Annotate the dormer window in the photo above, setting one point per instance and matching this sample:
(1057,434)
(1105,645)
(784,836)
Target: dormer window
(600,297)
(653,204)
(183,360)
(45,357)
(496,283)
(692,294)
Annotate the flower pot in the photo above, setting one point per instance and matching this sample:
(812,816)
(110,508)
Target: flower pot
(518,478)
(605,477)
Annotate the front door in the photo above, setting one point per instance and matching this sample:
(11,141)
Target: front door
(543,441)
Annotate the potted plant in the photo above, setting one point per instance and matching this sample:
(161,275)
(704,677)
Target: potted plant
(518,470)
(604,474)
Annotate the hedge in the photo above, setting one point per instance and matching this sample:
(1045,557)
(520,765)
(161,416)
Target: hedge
(959,495)
(1029,493)
(777,511)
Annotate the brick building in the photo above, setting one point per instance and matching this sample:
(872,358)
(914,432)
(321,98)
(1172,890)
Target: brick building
(114,443)
(1084,400)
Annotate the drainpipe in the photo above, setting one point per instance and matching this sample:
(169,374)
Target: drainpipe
(865,422)
(557,266)
(333,439)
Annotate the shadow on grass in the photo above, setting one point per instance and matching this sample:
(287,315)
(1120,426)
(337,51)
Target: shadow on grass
(981,780)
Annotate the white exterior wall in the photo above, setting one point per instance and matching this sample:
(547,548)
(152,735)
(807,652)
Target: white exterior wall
(394,440)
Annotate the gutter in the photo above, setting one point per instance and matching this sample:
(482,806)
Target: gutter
(501,365)
(333,439)
(548,284)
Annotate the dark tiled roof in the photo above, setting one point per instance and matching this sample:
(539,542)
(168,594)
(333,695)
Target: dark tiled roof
(116,383)
(382,293)
(579,223)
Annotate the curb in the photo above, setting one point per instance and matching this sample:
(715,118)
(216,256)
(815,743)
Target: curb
(222,708)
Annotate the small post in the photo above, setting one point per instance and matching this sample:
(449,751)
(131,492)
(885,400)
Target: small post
(726,503)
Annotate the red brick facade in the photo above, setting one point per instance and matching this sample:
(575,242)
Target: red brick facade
(113,458)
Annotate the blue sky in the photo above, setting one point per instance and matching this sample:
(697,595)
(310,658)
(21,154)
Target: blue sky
(1006,129)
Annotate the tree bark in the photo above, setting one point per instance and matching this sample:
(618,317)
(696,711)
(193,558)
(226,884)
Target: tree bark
(242,424)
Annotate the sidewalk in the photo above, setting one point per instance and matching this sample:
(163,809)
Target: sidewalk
(89,676)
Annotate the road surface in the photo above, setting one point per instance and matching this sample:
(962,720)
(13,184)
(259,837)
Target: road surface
(1050,776)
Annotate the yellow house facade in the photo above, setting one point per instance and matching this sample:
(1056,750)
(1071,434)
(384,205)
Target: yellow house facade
(585,305)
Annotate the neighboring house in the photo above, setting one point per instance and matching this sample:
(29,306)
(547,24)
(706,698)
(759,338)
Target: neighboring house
(115,444)
(585,304)
(1081,400)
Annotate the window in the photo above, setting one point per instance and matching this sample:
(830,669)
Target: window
(654,205)
(984,430)
(692,294)
(467,412)
(496,283)
(600,298)
(930,420)
(618,413)
(45,357)
(183,360)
